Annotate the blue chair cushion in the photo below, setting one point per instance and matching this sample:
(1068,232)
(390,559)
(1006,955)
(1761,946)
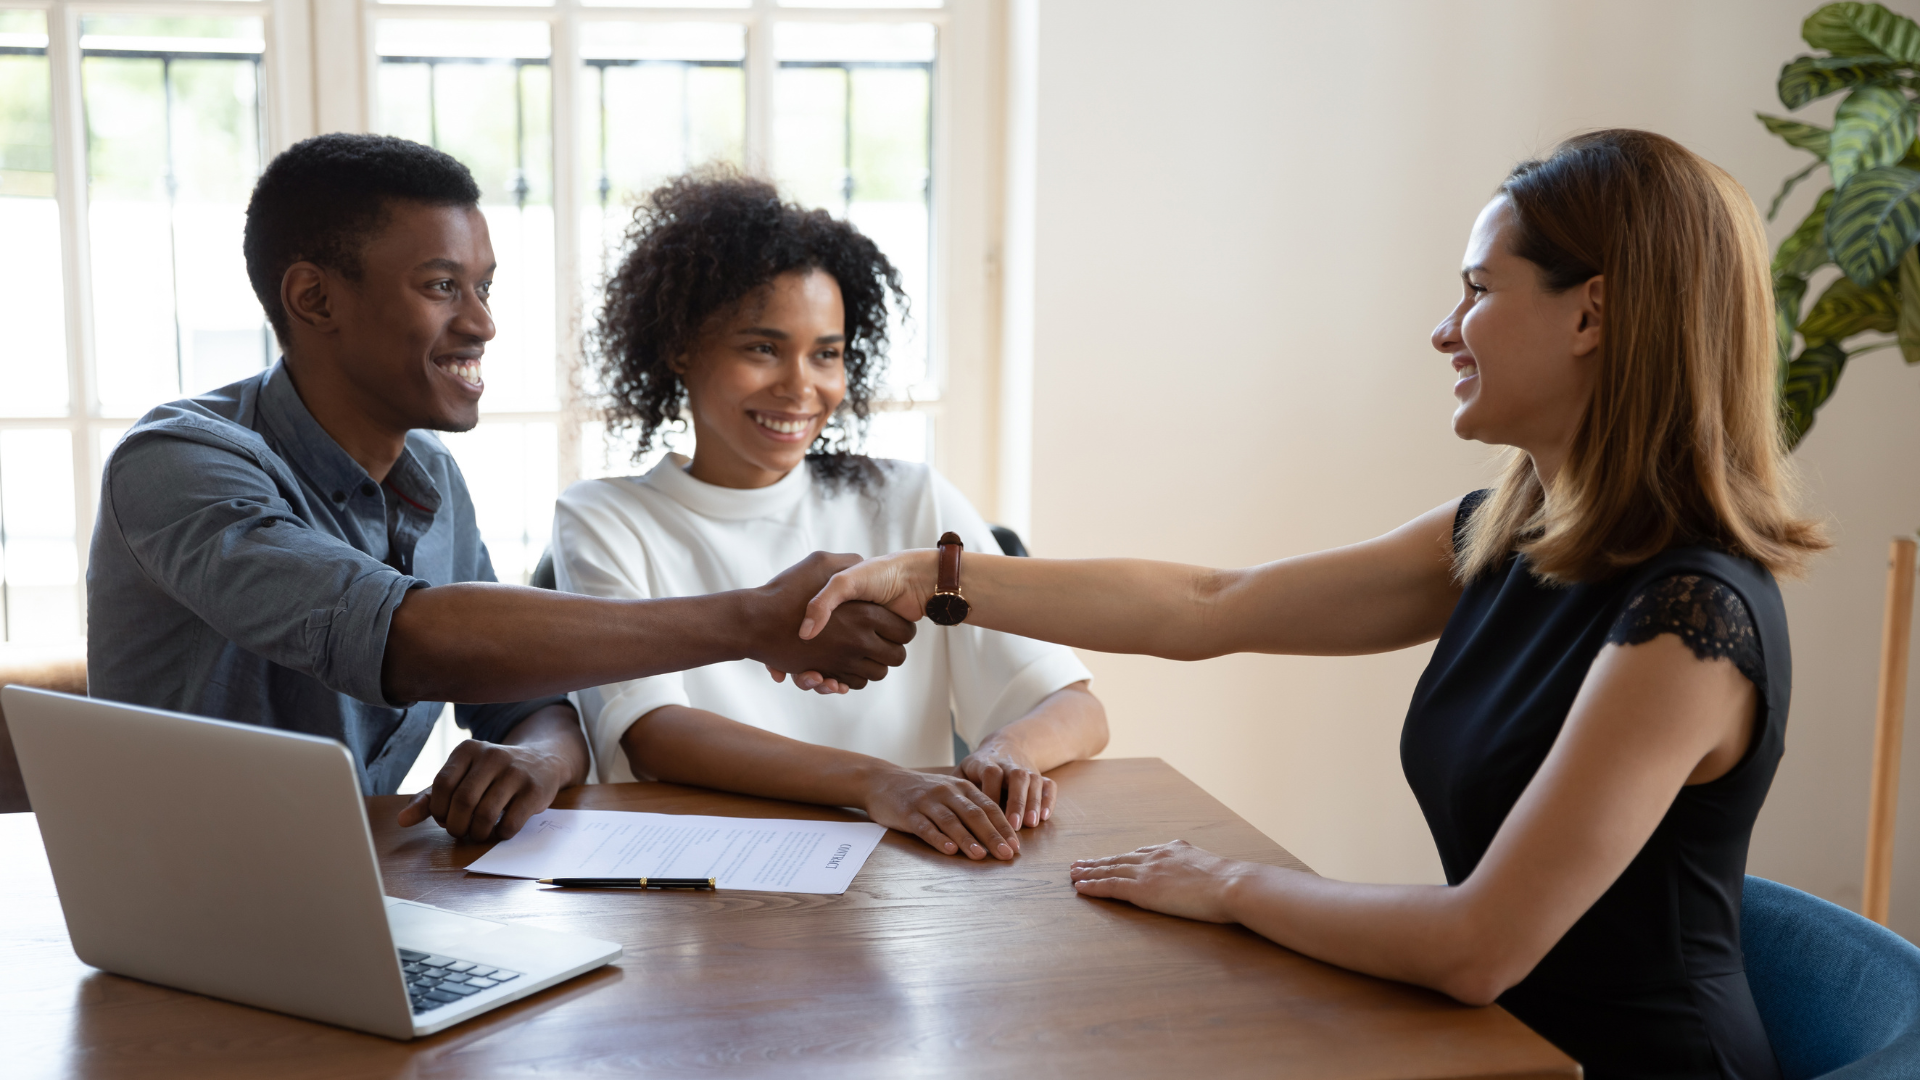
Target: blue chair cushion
(1839,994)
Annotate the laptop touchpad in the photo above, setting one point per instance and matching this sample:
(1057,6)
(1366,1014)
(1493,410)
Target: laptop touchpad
(432,929)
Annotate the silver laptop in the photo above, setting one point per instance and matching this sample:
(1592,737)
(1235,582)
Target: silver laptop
(235,861)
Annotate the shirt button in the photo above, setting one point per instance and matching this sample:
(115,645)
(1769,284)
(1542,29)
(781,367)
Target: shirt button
(367,488)
(339,496)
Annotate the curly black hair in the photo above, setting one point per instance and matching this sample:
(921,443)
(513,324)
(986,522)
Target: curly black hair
(323,198)
(700,244)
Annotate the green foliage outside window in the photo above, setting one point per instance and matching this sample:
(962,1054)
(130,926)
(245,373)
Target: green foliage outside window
(1868,222)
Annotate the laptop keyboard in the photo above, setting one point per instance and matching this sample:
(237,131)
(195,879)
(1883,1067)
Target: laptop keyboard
(434,981)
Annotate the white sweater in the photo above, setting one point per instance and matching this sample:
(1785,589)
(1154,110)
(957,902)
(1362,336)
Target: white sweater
(667,534)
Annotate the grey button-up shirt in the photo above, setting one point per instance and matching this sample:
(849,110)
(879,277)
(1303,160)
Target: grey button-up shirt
(245,567)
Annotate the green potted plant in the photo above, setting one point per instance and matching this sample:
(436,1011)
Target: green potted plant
(1868,222)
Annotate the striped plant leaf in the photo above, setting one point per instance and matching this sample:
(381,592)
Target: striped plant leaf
(1874,219)
(1788,292)
(1871,128)
(1806,249)
(1853,28)
(1809,382)
(1806,79)
(1908,324)
(1812,139)
(1846,309)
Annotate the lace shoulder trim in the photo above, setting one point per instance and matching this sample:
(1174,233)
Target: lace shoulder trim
(1705,614)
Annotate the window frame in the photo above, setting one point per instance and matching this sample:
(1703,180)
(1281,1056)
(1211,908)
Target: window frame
(963,248)
(318,71)
(286,105)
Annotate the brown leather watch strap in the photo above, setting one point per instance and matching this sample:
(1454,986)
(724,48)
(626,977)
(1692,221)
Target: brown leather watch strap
(950,548)
(947,606)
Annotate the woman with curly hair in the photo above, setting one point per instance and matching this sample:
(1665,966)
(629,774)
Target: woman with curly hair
(766,324)
(1607,701)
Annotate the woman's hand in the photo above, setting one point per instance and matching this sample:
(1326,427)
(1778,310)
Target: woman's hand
(900,582)
(1177,878)
(999,768)
(948,812)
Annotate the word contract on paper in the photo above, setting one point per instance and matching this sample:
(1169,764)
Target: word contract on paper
(759,854)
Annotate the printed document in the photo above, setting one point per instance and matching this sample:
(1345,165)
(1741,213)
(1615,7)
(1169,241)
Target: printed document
(760,854)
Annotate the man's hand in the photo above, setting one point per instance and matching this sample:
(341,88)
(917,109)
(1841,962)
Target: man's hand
(999,768)
(487,791)
(948,812)
(858,648)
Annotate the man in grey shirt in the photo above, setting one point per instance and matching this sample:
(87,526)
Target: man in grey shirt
(298,550)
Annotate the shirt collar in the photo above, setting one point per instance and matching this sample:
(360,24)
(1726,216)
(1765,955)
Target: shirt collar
(306,446)
(728,504)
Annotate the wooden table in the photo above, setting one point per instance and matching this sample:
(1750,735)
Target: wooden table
(930,965)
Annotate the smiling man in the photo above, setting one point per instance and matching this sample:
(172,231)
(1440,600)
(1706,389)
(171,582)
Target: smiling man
(297,550)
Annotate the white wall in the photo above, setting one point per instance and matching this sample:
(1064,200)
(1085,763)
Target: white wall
(1250,215)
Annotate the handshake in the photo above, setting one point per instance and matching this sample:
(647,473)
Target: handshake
(852,648)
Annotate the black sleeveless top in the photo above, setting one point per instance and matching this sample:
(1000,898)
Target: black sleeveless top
(1651,981)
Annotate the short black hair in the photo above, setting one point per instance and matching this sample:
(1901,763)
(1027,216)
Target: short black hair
(323,198)
(700,244)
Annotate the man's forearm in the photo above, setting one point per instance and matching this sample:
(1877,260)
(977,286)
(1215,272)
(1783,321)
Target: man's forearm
(480,642)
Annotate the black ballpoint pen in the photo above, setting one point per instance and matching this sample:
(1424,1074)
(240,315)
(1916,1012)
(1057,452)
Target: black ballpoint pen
(701,883)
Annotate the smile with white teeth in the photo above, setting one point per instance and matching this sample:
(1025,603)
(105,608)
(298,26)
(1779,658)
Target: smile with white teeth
(465,369)
(784,427)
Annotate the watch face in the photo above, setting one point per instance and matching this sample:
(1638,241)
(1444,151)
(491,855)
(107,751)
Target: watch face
(946,609)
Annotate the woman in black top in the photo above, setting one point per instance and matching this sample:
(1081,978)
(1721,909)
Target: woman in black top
(1605,706)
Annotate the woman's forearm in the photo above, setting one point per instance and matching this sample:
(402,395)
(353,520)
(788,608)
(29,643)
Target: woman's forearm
(1108,605)
(1069,724)
(1389,592)
(683,745)
(1428,935)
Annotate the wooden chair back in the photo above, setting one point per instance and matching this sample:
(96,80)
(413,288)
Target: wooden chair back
(62,669)
(1884,797)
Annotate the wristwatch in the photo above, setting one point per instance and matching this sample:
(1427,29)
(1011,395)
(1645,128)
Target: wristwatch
(946,606)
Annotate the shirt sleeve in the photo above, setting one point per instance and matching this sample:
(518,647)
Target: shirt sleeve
(211,528)
(1705,614)
(997,678)
(597,553)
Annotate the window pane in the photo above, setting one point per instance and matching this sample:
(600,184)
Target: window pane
(907,42)
(33,366)
(173,147)
(669,3)
(861,3)
(482,91)
(853,128)
(903,435)
(512,471)
(658,99)
(39,572)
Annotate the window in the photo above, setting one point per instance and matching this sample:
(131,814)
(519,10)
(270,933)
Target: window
(131,132)
(575,117)
(128,144)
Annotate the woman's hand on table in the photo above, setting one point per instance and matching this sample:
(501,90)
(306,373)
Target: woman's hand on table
(1006,775)
(949,812)
(1176,879)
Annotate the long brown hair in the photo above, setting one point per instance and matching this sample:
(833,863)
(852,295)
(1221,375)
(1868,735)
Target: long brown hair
(1681,440)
